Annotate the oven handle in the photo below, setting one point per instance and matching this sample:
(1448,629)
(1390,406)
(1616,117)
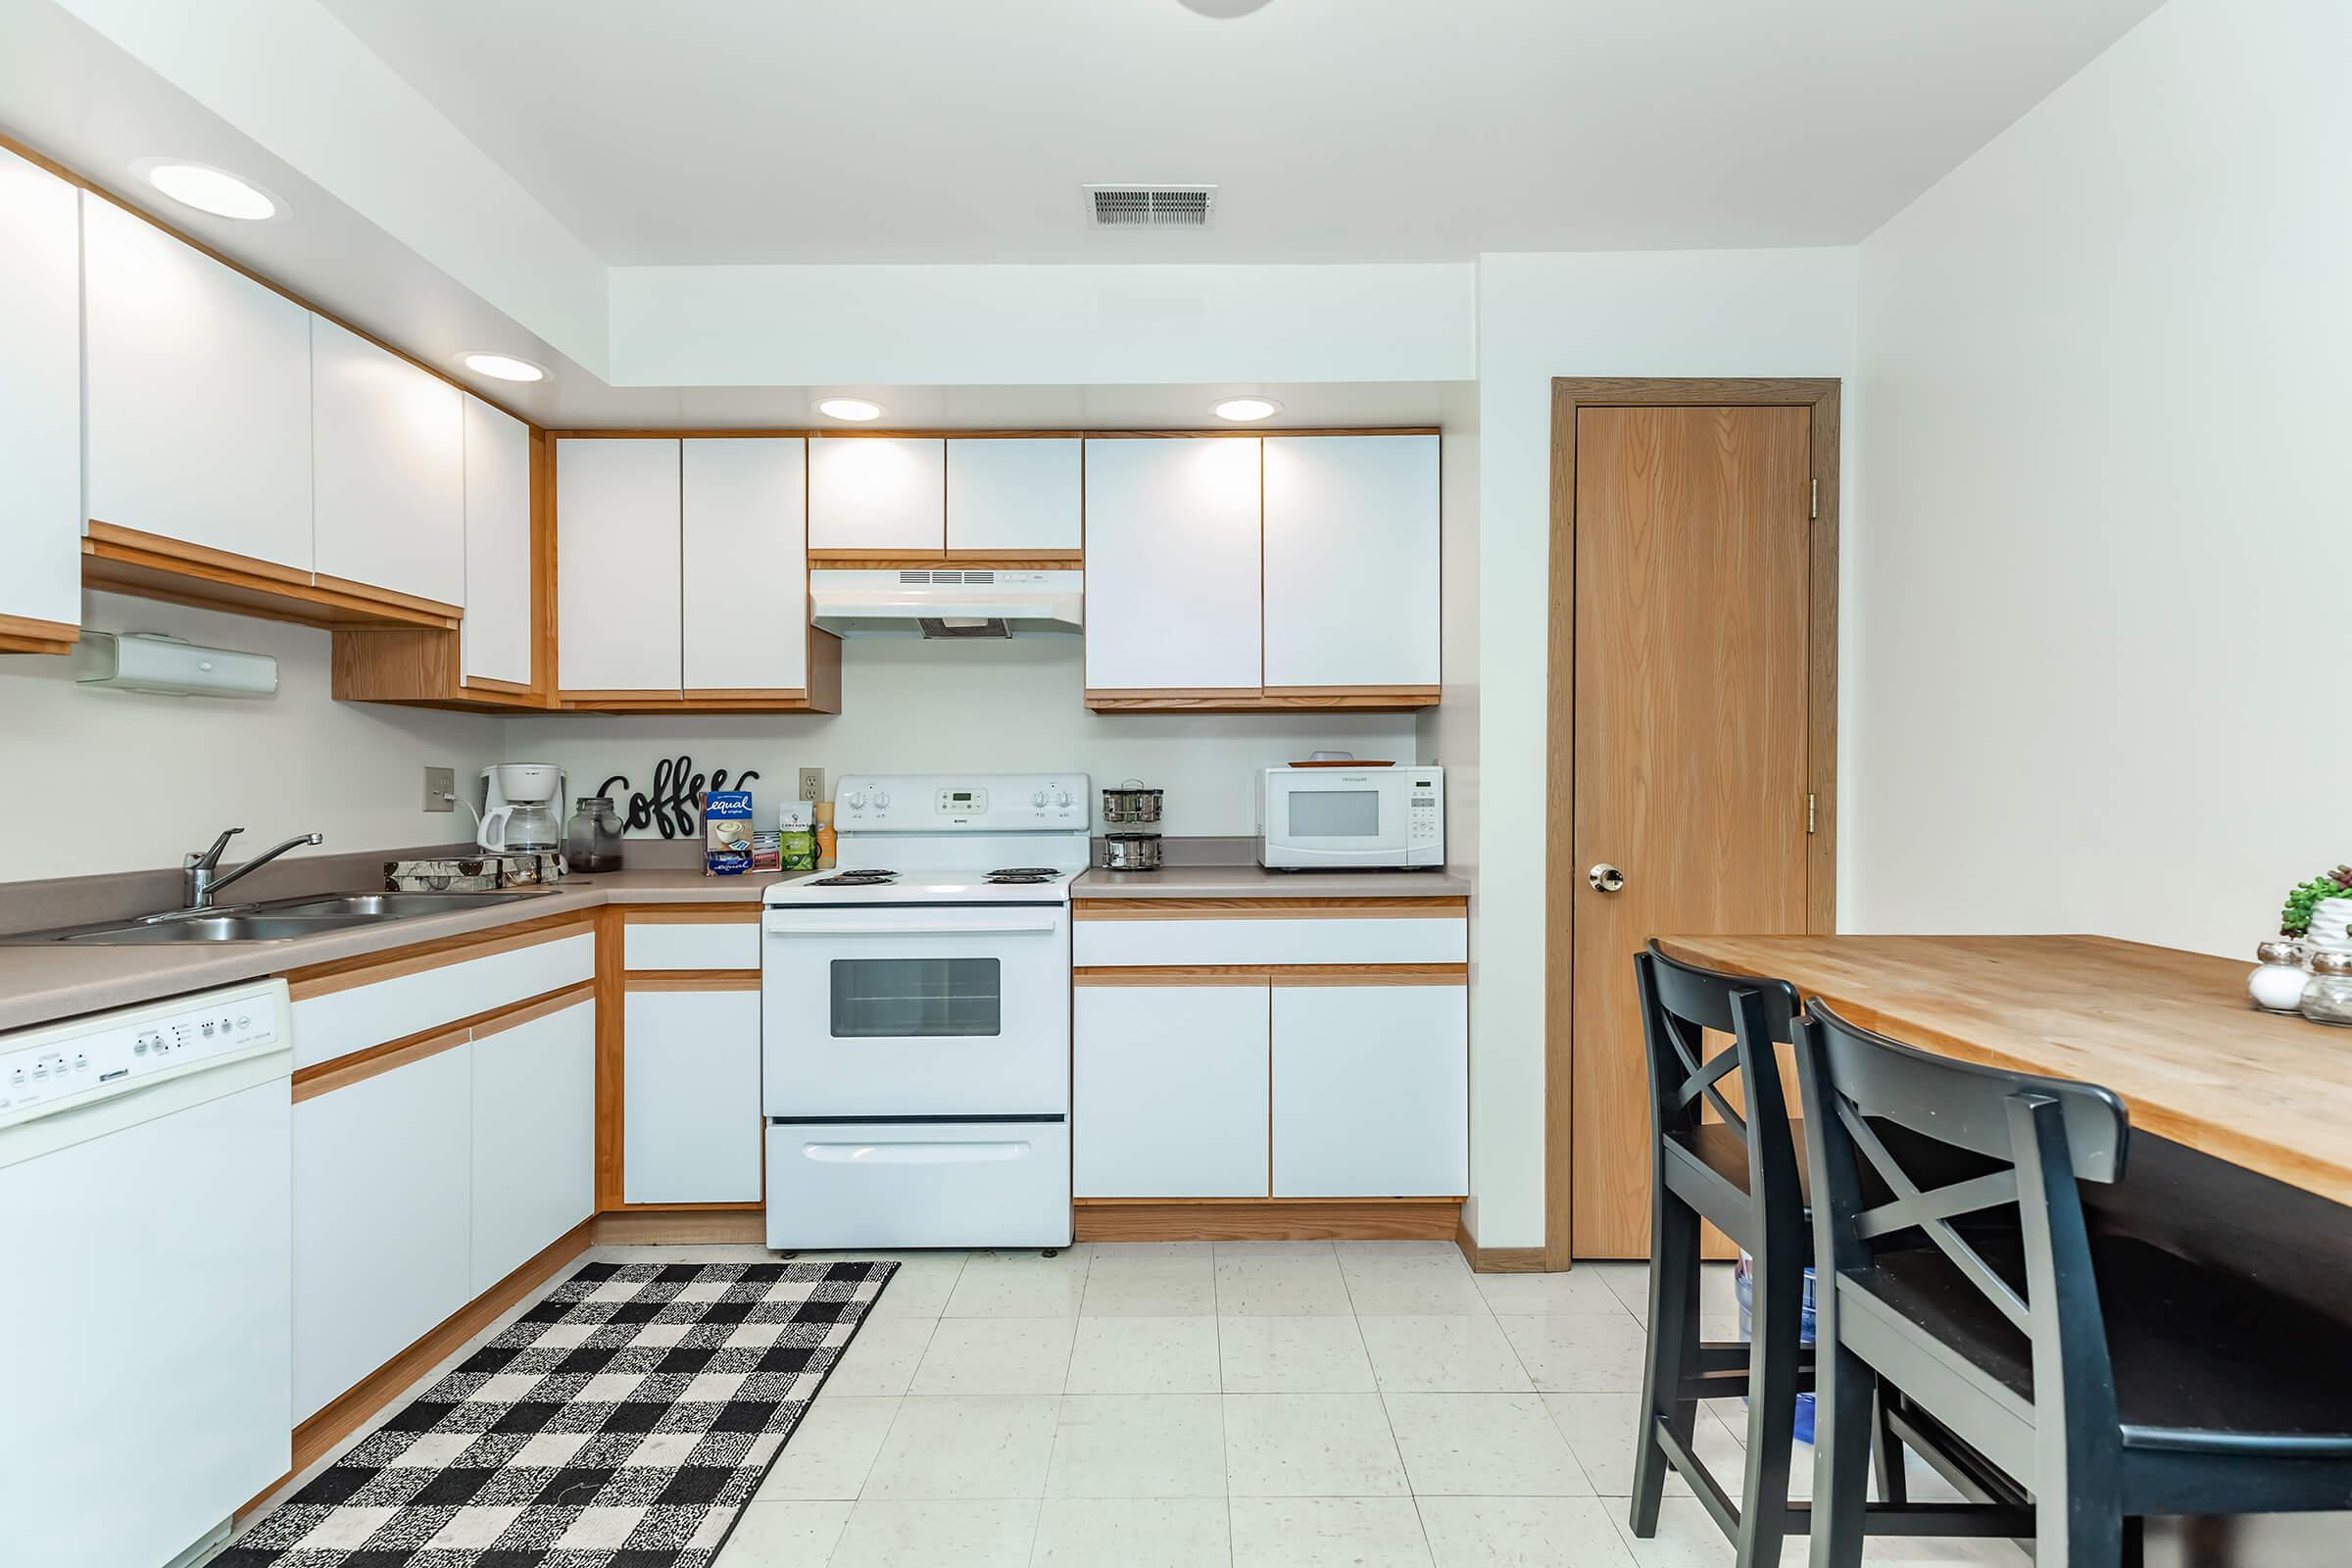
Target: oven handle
(989,1150)
(783,923)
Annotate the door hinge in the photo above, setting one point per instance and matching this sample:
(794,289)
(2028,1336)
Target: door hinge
(1808,814)
(1816,512)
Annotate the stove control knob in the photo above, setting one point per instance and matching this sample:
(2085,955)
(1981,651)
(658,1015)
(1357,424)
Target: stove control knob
(856,800)
(881,800)
(1038,799)
(1063,800)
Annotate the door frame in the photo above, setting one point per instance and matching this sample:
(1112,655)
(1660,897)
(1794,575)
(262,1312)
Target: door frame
(1569,395)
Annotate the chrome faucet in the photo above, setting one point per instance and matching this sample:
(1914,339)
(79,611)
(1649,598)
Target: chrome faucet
(201,877)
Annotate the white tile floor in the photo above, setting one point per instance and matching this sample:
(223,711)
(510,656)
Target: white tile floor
(1254,1404)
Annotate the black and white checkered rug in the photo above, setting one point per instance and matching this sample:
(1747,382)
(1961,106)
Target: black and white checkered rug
(622,1422)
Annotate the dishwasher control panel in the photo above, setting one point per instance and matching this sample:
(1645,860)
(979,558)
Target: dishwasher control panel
(60,1065)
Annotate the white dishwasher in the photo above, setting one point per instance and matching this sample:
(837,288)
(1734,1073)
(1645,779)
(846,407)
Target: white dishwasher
(145,1259)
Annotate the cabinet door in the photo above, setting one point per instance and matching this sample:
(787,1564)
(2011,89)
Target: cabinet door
(1351,561)
(1015,497)
(382,1217)
(746,583)
(878,493)
(617,565)
(690,1111)
(40,396)
(1371,1091)
(388,483)
(495,637)
(199,387)
(1171,564)
(534,1137)
(1170,1098)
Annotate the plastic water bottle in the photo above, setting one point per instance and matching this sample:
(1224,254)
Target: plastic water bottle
(1744,1282)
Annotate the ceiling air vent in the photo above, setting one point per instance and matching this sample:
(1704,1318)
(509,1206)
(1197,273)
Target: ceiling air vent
(1152,206)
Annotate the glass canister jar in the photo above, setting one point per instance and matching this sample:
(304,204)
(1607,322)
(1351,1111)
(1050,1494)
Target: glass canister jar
(2277,981)
(2327,994)
(592,841)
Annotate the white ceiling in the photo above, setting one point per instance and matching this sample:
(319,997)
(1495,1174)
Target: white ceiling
(950,130)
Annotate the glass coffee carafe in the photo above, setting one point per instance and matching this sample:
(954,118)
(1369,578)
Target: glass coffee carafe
(593,840)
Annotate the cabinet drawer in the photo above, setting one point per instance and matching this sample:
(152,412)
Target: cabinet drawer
(1262,942)
(331,1023)
(700,945)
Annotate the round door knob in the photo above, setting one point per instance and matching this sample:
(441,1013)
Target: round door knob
(1605,878)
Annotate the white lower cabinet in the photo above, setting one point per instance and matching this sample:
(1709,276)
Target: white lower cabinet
(534,1137)
(690,1100)
(382,1216)
(1170,1094)
(1371,1091)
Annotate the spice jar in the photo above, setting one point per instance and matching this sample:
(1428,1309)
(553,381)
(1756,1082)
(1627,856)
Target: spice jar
(2327,994)
(2277,981)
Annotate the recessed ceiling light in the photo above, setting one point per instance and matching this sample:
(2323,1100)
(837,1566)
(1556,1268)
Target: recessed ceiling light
(857,409)
(1243,410)
(209,189)
(502,367)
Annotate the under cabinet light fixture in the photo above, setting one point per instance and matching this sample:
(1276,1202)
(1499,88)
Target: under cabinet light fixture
(1245,409)
(502,367)
(860,410)
(209,190)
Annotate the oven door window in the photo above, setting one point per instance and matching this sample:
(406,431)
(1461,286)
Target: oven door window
(1335,814)
(891,998)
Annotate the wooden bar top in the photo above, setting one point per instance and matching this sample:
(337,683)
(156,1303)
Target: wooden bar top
(2171,1032)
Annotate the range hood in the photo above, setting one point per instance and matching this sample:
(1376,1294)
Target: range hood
(943,602)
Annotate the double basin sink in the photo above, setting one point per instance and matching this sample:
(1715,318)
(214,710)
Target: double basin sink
(273,921)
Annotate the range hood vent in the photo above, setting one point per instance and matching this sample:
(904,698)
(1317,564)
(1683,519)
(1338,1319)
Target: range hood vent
(1152,206)
(945,604)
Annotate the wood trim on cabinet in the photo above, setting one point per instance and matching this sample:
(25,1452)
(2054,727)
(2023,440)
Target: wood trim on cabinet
(314,1438)
(130,561)
(515,1017)
(137,541)
(489,1021)
(1568,395)
(1417,907)
(388,595)
(611,1059)
(876,559)
(1259,432)
(416,669)
(690,979)
(1265,1219)
(360,1065)
(1281,974)
(24,634)
(341,974)
(688,914)
(683,1225)
(1262,700)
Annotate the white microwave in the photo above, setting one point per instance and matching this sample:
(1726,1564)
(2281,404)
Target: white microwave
(1352,818)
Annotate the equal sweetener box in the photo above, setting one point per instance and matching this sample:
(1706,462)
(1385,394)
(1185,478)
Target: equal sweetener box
(726,832)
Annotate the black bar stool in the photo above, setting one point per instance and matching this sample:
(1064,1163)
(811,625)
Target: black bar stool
(2111,1379)
(1743,1174)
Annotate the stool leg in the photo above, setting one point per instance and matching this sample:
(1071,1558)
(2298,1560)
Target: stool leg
(1889,1458)
(1672,1348)
(1842,1393)
(1770,1409)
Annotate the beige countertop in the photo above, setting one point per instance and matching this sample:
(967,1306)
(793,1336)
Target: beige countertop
(1256,882)
(44,983)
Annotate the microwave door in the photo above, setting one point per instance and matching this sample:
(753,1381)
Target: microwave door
(1341,825)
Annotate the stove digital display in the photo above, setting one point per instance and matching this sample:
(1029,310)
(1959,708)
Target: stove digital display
(962,803)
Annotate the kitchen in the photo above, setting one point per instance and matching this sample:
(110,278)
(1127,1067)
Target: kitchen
(1217,1212)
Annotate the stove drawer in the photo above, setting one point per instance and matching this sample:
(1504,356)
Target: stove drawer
(918,1184)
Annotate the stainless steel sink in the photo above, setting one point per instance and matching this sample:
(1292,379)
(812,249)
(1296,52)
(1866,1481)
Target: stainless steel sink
(279,920)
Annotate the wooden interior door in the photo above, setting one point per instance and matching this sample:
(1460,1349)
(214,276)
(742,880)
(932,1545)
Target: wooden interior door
(1689,734)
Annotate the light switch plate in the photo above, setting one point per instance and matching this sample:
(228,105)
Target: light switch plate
(812,783)
(440,783)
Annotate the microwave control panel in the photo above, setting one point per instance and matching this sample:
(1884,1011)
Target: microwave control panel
(1425,812)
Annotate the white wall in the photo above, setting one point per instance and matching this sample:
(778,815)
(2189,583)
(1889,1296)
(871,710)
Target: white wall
(2107,555)
(1016,706)
(1787,313)
(96,781)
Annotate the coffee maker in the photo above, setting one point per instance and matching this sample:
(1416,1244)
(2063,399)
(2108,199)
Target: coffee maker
(522,807)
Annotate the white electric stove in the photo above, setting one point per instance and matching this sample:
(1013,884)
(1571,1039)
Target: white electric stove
(915,1016)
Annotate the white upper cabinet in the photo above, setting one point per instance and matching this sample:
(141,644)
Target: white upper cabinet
(1015,497)
(1351,561)
(495,637)
(1172,563)
(746,586)
(388,449)
(617,565)
(199,395)
(40,396)
(877,493)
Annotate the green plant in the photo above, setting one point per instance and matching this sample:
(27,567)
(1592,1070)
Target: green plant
(2304,896)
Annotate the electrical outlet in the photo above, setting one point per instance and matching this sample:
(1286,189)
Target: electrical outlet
(440,784)
(812,783)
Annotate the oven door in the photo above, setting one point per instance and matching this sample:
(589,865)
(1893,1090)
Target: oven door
(916,1011)
(1335,819)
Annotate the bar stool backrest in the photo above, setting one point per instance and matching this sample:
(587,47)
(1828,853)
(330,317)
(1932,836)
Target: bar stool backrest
(1680,1001)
